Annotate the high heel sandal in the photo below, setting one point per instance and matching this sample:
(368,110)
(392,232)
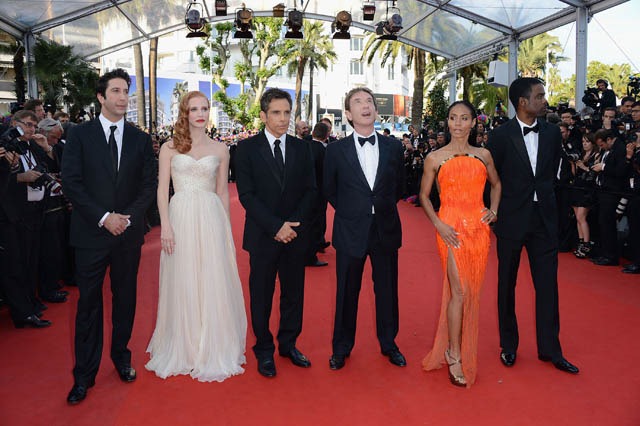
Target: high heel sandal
(455,380)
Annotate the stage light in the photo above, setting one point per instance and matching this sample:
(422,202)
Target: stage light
(221,7)
(388,30)
(194,20)
(368,11)
(294,23)
(340,27)
(243,23)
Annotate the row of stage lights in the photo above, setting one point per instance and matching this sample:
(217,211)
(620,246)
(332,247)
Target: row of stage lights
(243,22)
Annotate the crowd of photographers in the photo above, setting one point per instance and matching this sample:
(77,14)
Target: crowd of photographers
(35,257)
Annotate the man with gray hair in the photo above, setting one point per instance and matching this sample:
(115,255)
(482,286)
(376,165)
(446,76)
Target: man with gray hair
(53,241)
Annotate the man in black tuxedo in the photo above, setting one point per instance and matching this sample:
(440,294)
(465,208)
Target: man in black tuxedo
(276,187)
(611,181)
(363,181)
(109,175)
(318,145)
(527,155)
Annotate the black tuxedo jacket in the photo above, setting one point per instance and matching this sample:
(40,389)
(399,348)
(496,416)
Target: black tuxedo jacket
(519,183)
(93,188)
(318,150)
(345,187)
(268,199)
(614,176)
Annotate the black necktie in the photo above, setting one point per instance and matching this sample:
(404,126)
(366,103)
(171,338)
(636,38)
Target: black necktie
(534,129)
(277,154)
(371,139)
(113,147)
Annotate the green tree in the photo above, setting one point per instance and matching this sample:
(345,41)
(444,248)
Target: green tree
(63,77)
(314,51)
(536,52)
(617,75)
(436,109)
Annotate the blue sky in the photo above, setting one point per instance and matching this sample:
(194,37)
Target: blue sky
(612,38)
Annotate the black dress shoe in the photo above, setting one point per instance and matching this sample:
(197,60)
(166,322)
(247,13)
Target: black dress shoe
(297,358)
(631,268)
(508,358)
(317,263)
(267,367)
(32,321)
(561,364)
(336,362)
(63,292)
(396,358)
(605,261)
(56,297)
(127,374)
(78,393)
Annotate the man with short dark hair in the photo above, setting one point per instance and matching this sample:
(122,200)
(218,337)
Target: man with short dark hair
(318,144)
(612,173)
(607,96)
(527,154)
(363,181)
(109,174)
(37,106)
(276,187)
(626,104)
(608,116)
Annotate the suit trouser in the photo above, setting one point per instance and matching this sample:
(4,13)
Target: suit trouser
(542,251)
(607,204)
(384,265)
(633,215)
(91,266)
(12,264)
(52,253)
(287,262)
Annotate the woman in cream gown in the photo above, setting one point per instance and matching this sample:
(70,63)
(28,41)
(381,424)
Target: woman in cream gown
(201,323)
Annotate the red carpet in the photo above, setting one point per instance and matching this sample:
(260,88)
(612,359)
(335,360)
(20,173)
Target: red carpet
(600,317)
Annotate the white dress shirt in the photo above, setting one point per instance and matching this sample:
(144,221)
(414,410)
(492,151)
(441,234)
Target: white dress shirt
(368,156)
(106,128)
(272,139)
(531,142)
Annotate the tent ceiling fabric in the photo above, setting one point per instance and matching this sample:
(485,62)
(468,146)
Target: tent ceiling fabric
(453,29)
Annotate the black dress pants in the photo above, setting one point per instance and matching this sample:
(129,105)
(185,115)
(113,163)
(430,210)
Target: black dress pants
(91,266)
(542,251)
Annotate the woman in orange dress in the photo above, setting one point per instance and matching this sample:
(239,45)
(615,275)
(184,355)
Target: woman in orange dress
(460,170)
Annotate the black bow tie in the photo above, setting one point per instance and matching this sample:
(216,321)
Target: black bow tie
(534,129)
(371,139)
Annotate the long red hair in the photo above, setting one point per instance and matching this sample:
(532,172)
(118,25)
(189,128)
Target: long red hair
(181,134)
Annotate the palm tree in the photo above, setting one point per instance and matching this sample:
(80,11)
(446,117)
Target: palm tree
(315,50)
(536,52)
(391,49)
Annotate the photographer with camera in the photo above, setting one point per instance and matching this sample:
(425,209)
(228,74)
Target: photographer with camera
(612,173)
(607,96)
(53,244)
(21,214)
(609,121)
(625,105)
(569,154)
(635,115)
(583,193)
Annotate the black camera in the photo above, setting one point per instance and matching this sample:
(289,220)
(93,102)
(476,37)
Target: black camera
(591,97)
(10,141)
(46,180)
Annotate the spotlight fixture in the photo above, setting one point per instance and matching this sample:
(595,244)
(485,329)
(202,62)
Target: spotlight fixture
(340,27)
(243,23)
(294,23)
(278,10)
(221,7)
(368,11)
(194,20)
(388,30)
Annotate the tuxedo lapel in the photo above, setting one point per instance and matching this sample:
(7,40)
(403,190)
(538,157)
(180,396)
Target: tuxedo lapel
(352,158)
(383,158)
(126,151)
(265,151)
(543,147)
(515,133)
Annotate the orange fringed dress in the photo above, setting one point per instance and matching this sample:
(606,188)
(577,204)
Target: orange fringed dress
(461,180)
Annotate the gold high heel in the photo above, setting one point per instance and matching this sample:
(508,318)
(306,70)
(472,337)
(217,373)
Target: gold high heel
(455,380)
